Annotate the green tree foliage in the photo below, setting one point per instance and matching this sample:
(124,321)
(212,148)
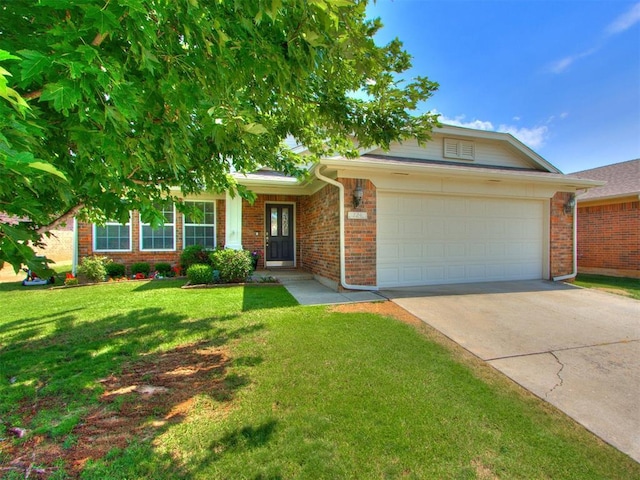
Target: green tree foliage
(107,104)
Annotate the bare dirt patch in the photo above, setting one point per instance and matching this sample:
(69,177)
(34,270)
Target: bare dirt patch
(616,291)
(387,309)
(149,395)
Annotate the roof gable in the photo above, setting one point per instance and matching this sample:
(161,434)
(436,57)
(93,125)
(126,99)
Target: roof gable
(464,146)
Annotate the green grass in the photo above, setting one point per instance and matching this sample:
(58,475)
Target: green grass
(309,393)
(625,286)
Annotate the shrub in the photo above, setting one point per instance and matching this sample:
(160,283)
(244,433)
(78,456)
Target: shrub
(115,270)
(140,267)
(163,269)
(71,281)
(94,268)
(192,255)
(234,265)
(199,274)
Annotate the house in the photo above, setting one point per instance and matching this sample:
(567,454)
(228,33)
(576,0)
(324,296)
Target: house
(58,246)
(470,206)
(609,221)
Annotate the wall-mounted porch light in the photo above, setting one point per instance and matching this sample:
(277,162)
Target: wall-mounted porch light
(571,202)
(358,194)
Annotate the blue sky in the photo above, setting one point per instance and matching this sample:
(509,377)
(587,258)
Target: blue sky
(563,76)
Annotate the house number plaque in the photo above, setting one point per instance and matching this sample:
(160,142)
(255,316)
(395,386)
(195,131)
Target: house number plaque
(357,215)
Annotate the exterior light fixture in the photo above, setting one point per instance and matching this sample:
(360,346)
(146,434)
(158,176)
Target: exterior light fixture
(358,193)
(570,204)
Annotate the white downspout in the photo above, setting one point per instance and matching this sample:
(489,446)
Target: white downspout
(343,275)
(575,247)
(74,257)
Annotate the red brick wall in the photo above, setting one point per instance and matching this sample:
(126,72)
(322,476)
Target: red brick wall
(85,245)
(561,236)
(609,238)
(360,234)
(85,241)
(320,231)
(253,221)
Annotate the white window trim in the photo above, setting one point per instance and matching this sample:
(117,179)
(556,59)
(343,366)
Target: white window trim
(93,236)
(140,235)
(214,225)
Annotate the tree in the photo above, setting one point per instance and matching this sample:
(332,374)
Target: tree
(107,104)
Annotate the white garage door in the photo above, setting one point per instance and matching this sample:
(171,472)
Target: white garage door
(437,239)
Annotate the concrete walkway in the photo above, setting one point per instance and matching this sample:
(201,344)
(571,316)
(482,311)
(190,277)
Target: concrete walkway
(578,349)
(308,291)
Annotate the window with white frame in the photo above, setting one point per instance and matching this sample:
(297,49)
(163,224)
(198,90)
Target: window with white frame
(160,238)
(112,237)
(201,229)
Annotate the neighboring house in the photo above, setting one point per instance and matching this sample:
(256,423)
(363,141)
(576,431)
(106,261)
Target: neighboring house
(609,221)
(470,206)
(58,247)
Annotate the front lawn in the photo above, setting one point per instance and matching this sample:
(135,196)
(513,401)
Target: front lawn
(623,286)
(147,380)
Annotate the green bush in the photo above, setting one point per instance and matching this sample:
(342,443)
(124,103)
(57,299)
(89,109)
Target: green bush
(141,267)
(115,270)
(234,266)
(163,268)
(192,255)
(94,268)
(199,273)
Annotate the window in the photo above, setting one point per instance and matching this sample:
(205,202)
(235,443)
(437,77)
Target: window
(461,149)
(161,238)
(112,237)
(201,231)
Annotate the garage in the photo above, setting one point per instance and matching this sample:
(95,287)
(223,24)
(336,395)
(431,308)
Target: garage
(430,239)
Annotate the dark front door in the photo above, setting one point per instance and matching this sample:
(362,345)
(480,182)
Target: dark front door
(279,229)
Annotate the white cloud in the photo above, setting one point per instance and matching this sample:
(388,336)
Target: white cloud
(624,21)
(619,25)
(533,137)
(561,65)
(459,122)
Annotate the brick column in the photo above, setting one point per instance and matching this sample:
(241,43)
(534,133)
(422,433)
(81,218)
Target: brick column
(561,229)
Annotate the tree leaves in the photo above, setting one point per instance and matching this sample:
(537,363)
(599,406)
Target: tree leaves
(34,65)
(102,19)
(63,94)
(128,101)
(255,128)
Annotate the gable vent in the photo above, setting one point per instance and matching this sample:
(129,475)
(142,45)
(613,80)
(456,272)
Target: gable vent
(460,149)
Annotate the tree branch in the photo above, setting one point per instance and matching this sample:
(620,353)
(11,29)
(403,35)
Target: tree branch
(61,219)
(32,95)
(99,38)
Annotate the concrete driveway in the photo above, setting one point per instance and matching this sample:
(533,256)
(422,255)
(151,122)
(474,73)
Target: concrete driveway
(576,348)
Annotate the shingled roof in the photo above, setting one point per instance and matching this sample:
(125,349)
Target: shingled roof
(623,179)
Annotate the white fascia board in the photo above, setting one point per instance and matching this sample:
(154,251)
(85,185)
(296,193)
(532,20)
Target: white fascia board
(498,136)
(631,196)
(362,167)
(284,185)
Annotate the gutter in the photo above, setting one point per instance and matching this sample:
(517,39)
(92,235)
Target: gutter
(461,171)
(343,275)
(575,248)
